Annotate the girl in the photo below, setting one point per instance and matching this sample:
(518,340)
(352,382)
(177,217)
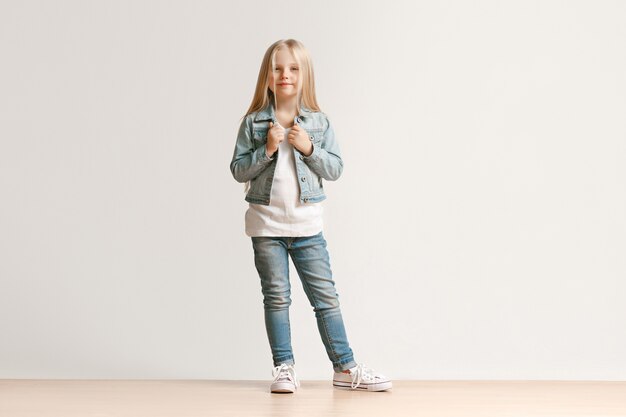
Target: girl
(285,147)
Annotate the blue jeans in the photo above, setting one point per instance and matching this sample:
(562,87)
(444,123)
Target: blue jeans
(311,259)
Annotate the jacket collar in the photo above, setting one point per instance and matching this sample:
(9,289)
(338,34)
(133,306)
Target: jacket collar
(268,113)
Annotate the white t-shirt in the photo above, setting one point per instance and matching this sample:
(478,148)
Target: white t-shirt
(285,215)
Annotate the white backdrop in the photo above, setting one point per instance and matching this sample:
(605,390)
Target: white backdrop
(478,230)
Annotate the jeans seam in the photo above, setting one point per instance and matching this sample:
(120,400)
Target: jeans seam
(288,356)
(330,341)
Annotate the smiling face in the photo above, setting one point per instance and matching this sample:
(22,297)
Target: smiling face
(285,75)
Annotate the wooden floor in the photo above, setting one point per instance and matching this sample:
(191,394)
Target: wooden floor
(190,398)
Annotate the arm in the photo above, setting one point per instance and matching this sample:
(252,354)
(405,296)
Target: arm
(247,163)
(325,160)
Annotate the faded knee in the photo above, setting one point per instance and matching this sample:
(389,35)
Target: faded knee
(326,305)
(277,301)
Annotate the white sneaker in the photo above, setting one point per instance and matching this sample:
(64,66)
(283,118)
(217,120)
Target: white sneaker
(285,379)
(361,378)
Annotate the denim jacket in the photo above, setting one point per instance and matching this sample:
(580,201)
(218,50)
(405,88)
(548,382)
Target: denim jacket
(251,163)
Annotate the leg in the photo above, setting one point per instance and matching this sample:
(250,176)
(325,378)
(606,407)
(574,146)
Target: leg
(312,262)
(272,263)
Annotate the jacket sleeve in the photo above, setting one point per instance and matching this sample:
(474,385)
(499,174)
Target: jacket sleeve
(326,160)
(247,163)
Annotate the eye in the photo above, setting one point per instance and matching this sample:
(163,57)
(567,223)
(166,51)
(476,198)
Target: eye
(295,68)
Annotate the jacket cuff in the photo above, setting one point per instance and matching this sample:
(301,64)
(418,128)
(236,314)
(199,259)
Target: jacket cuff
(315,155)
(262,154)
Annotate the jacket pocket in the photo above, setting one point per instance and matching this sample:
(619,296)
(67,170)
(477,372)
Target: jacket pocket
(315,135)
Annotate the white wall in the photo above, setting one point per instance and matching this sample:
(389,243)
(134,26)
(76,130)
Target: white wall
(478,230)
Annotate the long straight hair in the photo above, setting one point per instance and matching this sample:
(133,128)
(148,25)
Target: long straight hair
(306,80)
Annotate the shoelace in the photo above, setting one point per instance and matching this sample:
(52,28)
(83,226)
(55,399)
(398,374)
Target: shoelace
(361,372)
(284,371)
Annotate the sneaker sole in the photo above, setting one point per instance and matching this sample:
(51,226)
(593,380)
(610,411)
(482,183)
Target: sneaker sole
(381,386)
(283,388)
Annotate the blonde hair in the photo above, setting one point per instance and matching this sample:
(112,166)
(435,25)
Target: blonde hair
(306,80)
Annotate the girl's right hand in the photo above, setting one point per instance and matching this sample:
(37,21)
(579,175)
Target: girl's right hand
(275,135)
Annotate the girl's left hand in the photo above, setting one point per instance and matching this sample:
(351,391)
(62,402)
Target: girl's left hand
(299,138)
